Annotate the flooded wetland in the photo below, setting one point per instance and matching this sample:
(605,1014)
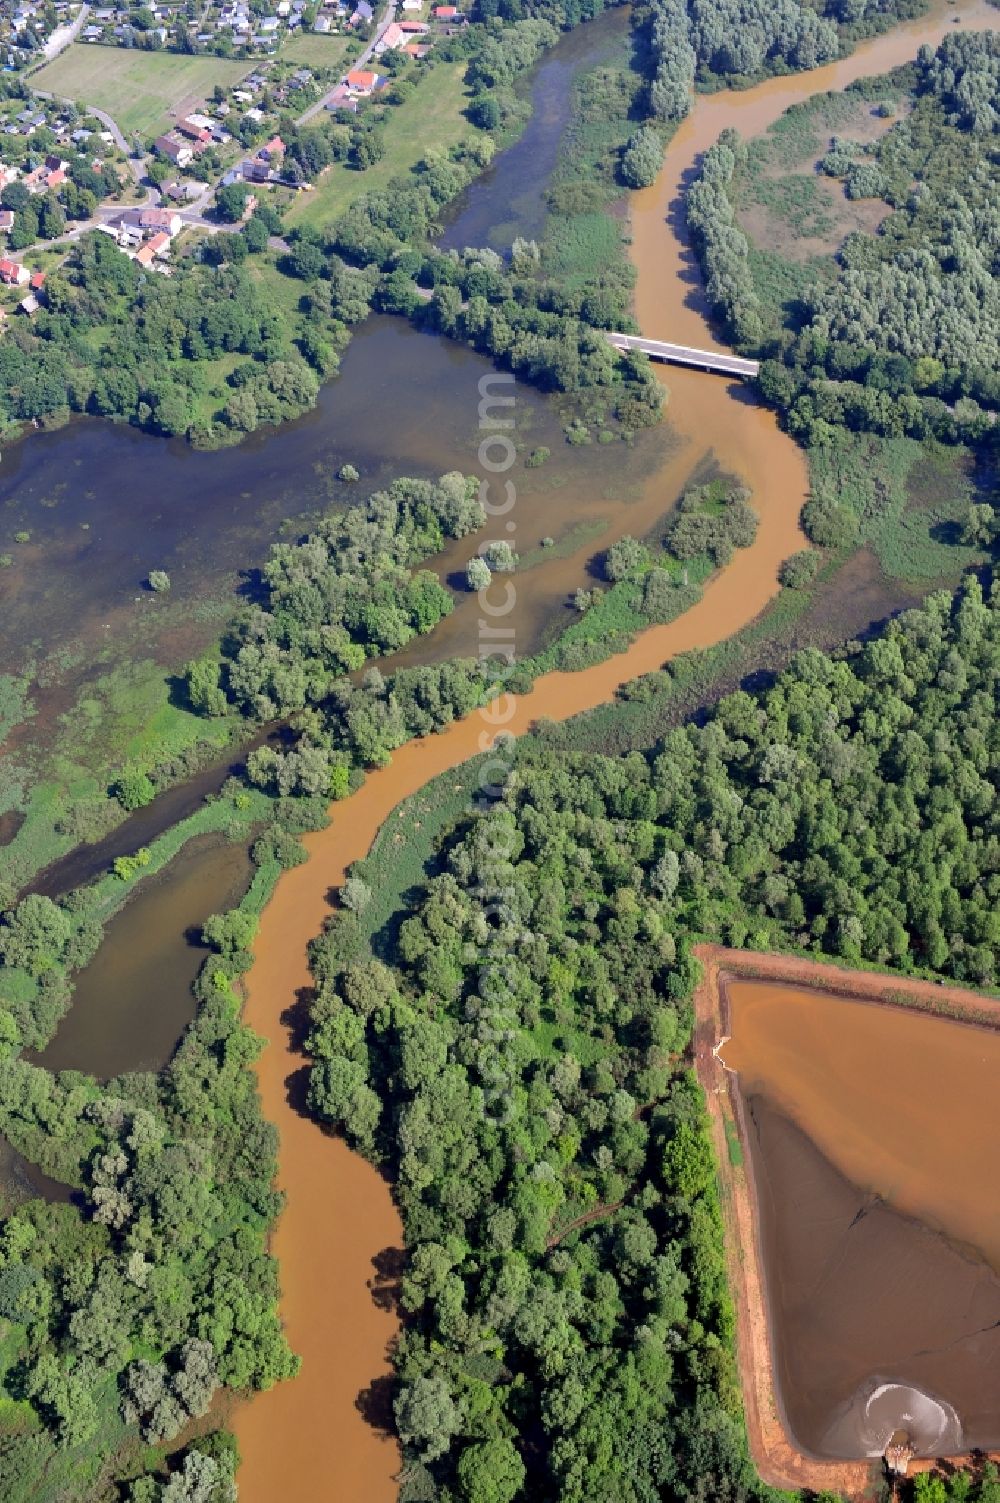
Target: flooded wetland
(866,1128)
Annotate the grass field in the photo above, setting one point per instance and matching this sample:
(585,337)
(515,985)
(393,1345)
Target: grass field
(137,89)
(313,50)
(431,119)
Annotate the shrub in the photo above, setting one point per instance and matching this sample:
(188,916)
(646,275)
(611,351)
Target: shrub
(799,570)
(500,557)
(478,574)
(641,158)
(133,789)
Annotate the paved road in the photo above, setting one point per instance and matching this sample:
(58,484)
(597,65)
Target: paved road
(63,35)
(385,21)
(110,125)
(682,354)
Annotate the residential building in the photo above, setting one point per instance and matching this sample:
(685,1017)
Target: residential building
(156,219)
(177,151)
(362,82)
(14,273)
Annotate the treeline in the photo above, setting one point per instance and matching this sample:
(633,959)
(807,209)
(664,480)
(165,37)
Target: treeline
(44,216)
(710,43)
(722,246)
(116,342)
(541,324)
(655,581)
(124,1312)
(535,325)
(905,339)
(569,1331)
(347,593)
(342,594)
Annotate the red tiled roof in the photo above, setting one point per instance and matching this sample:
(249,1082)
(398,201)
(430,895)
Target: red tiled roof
(360,78)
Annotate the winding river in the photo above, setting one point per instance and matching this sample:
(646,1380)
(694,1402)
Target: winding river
(314,1437)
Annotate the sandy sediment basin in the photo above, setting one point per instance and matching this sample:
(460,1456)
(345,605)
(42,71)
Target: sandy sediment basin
(780,1461)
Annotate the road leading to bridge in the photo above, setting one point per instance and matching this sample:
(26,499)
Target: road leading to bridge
(682,354)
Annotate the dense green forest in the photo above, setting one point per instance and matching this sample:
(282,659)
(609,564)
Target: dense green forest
(520,1069)
(903,337)
(117,343)
(125,1311)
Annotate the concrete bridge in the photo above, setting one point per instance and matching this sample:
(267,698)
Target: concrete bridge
(682,354)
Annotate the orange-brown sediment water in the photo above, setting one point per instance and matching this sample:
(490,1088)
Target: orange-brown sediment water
(901,1102)
(308,1438)
(868,1128)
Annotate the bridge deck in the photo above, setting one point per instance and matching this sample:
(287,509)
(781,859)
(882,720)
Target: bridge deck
(682,354)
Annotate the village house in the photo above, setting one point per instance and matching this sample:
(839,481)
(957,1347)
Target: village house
(198,135)
(126,233)
(14,273)
(6,221)
(179,192)
(160,243)
(176,151)
(341,99)
(393,36)
(154,220)
(362,82)
(132,227)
